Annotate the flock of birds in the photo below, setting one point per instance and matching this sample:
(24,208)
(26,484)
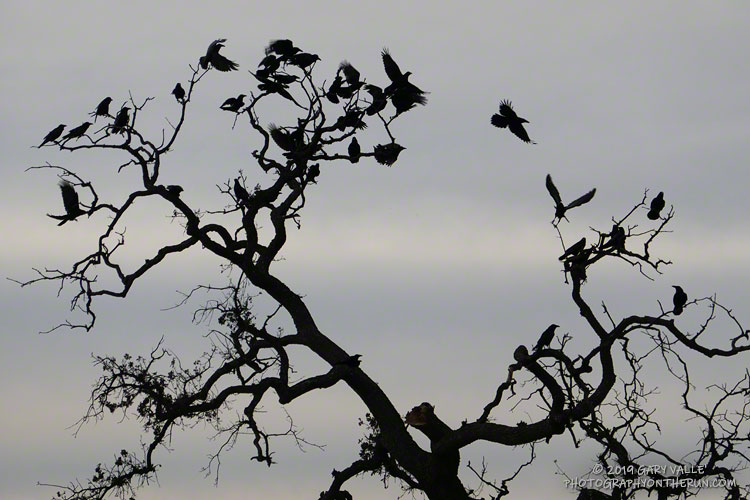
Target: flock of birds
(347,82)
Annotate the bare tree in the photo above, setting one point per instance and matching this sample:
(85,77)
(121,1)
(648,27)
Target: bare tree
(596,394)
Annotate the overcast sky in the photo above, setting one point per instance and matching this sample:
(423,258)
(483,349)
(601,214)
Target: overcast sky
(434,269)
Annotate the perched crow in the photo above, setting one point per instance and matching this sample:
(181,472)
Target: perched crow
(508,118)
(313,172)
(560,208)
(284,79)
(354,150)
(178,92)
(574,249)
(102,109)
(304,60)
(657,204)
(122,120)
(403,94)
(333,91)
(234,104)
(70,202)
(387,154)
(351,119)
(284,48)
(379,100)
(679,300)
(77,132)
(215,59)
(175,189)
(270,63)
(53,135)
(350,73)
(616,238)
(282,139)
(272,87)
(240,192)
(546,338)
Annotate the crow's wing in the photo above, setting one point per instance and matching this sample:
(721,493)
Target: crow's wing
(499,121)
(553,192)
(519,131)
(506,109)
(391,68)
(582,200)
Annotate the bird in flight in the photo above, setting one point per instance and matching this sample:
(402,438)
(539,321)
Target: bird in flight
(284,48)
(70,202)
(545,339)
(102,109)
(404,94)
(679,299)
(53,135)
(508,118)
(560,207)
(657,204)
(215,59)
(234,103)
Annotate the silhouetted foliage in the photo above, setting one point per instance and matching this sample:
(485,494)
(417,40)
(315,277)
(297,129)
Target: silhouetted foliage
(595,391)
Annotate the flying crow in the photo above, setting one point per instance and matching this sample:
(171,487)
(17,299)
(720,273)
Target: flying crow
(70,202)
(560,208)
(215,59)
(508,118)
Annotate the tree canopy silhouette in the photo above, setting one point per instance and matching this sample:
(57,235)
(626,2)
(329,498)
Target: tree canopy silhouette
(594,391)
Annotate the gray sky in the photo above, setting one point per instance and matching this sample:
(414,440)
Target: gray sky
(434,269)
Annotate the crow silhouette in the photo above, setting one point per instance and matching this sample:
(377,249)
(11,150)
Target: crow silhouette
(270,63)
(240,193)
(304,60)
(351,119)
(354,150)
(350,73)
(70,202)
(404,94)
(284,48)
(387,154)
(561,208)
(122,120)
(574,249)
(679,299)
(234,104)
(273,87)
(379,100)
(616,238)
(178,92)
(282,139)
(77,132)
(508,118)
(215,59)
(102,109)
(545,339)
(53,135)
(657,204)
(333,91)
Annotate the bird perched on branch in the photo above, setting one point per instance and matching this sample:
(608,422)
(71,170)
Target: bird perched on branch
(616,238)
(102,109)
(283,48)
(304,60)
(560,208)
(574,249)
(679,299)
(77,132)
(70,202)
(178,92)
(508,118)
(282,139)
(354,150)
(215,59)
(240,193)
(53,135)
(234,104)
(546,338)
(657,204)
(403,94)
(122,120)
(387,154)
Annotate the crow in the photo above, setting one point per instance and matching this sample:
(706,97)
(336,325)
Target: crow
(122,120)
(270,63)
(574,249)
(313,172)
(348,91)
(282,139)
(102,109)
(304,60)
(616,238)
(679,300)
(70,202)
(284,79)
(333,91)
(387,154)
(240,193)
(546,338)
(284,48)
(560,208)
(657,204)
(178,92)
(273,87)
(53,135)
(234,104)
(403,94)
(175,189)
(508,118)
(351,119)
(215,59)
(350,73)
(354,150)
(379,100)
(77,132)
